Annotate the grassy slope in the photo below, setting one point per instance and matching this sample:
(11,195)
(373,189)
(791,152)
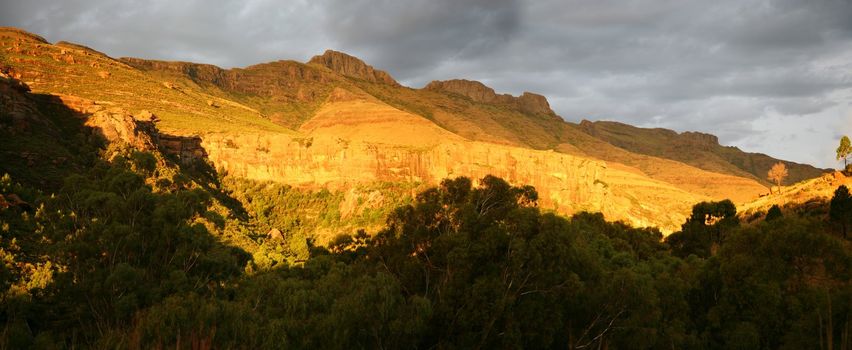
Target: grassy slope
(689,149)
(183,109)
(804,195)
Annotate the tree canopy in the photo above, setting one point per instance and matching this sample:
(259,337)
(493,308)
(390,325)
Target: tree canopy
(110,262)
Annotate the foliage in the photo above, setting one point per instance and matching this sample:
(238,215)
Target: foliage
(117,265)
(777,174)
(706,229)
(840,210)
(844,150)
(774,213)
(113,248)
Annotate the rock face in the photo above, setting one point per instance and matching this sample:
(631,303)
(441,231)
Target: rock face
(116,125)
(700,139)
(187,149)
(565,183)
(197,72)
(352,67)
(534,103)
(528,102)
(472,89)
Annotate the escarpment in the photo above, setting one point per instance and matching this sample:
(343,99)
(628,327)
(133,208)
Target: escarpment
(567,184)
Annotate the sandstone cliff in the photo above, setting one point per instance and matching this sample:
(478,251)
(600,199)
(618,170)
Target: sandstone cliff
(566,183)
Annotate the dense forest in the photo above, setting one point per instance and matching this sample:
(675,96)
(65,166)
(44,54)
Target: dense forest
(130,255)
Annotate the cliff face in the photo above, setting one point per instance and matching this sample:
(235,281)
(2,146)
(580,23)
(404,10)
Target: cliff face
(532,103)
(474,90)
(565,183)
(267,79)
(528,102)
(351,66)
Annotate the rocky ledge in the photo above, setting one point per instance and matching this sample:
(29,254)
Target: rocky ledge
(528,102)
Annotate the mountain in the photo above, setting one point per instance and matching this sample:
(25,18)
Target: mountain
(337,123)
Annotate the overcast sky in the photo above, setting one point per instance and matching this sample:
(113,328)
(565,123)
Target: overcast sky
(771,76)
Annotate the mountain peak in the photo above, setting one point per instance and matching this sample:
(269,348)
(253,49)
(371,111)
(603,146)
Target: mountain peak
(351,66)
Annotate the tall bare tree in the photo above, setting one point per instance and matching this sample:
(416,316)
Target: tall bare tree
(777,175)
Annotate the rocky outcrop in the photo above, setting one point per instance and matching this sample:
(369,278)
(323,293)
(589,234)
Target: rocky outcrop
(117,125)
(281,80)
(82,48)
(700,139)
(528,102)
(187,149)
(352,67)
(196,71)
(532,103)
(471,89)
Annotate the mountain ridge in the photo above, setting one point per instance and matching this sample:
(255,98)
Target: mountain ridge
(260,121)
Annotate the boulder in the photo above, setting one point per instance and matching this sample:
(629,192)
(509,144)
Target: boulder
(275,233)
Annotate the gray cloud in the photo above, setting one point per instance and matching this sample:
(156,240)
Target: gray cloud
(755,72)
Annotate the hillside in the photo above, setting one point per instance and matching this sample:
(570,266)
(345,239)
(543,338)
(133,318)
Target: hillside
(811,194)
(696,149)
(336,122)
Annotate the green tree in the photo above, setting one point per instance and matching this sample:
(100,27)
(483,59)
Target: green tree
(774,213)
(840,210)
(844,150)
(705,229)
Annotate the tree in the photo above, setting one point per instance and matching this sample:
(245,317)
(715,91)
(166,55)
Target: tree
(777,175)
(774,213)
(844,150)
(705,230)
(841,209)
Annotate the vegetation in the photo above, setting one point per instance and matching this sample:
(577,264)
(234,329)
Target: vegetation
(840,211)
(774,213)
(111,262)
(844,150)
(777,174)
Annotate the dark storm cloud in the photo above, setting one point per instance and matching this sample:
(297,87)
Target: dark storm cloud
(755,72)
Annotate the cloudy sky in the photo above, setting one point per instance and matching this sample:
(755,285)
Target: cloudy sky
(771,76)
